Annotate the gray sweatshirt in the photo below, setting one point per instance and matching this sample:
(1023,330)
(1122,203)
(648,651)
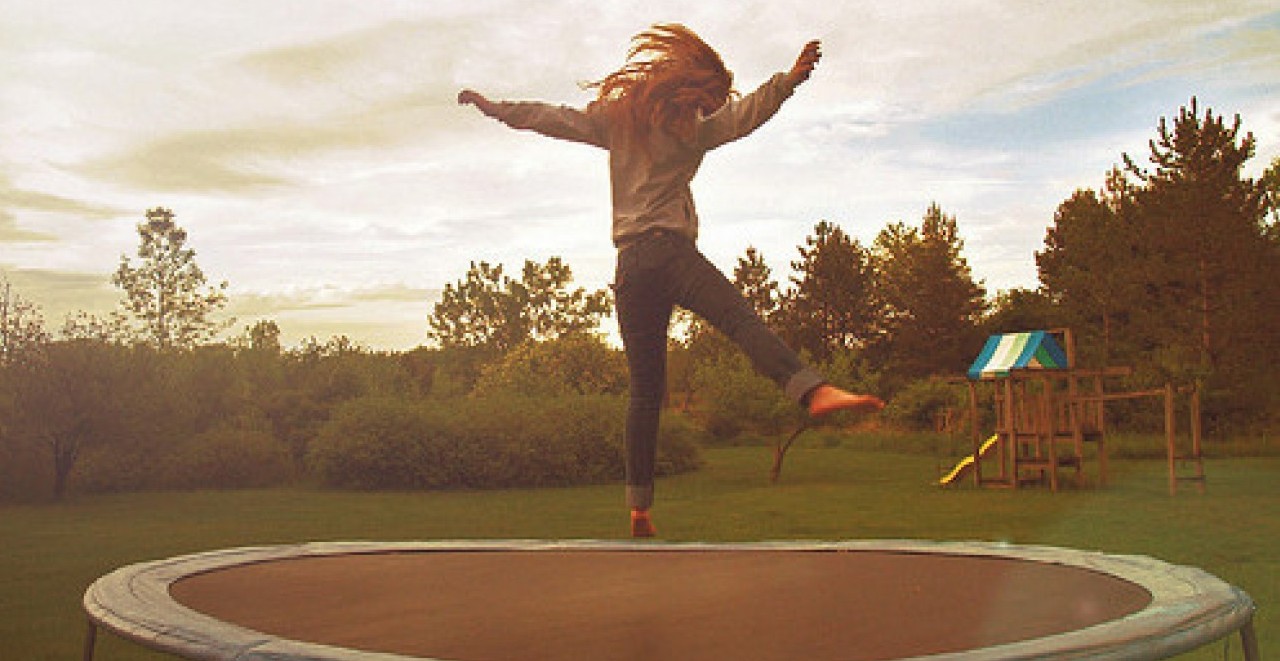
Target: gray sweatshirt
(650,185)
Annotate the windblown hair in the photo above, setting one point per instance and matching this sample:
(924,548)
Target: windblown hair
(671,76)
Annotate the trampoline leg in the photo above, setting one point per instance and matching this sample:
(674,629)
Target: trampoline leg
(1249,641)
(90,639)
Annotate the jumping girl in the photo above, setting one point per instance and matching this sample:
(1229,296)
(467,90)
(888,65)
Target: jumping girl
(671,103)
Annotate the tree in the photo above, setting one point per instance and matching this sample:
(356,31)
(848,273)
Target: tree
(1270,184)
(754,279)
(1202,232)
(1089,264)
(1021,309)
(492,311)
(165,295)
(22,332)
(932,303)
(69,400)
(698,343)
(574,364)
(23,340)
(1174,265)
(830,304)
(262,337)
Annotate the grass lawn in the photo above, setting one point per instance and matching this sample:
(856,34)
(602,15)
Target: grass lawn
(51,553)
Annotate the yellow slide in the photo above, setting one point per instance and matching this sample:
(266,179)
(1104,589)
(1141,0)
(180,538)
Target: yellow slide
(966,464)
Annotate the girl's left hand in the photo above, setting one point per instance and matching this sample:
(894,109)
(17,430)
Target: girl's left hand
(805,63)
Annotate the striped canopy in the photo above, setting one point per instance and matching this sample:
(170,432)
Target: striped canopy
(1010,351)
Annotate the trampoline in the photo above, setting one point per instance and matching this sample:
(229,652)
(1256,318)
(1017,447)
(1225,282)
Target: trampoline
(507,600)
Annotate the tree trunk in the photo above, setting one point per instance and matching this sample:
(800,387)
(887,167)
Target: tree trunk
(1206,355)
(64,459)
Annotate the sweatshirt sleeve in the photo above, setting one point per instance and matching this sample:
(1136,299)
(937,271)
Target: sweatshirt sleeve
(741,116)
(561,122)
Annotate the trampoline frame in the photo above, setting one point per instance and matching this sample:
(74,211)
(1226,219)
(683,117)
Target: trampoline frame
(1190,608)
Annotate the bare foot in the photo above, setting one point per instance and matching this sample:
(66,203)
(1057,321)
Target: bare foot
(642,524)
(827,399)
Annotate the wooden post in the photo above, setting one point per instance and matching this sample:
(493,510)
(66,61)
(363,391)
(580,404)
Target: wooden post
(977,433)
(1102,431)
(1049,427)
(1196,437)
(1170,435)
(1075,423)
(1010,436)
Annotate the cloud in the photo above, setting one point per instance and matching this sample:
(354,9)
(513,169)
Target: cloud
(264,118)
(10,232)
(60,293)
(314,149)
(295,299)
(15,201)
(221,160)
(287,112)
(392,54)
(39,201)
(390,315)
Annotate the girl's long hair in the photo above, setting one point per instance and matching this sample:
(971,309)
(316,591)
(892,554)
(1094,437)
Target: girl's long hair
(671,76)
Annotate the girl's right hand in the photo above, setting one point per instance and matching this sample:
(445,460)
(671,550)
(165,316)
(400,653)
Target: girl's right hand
(474,98)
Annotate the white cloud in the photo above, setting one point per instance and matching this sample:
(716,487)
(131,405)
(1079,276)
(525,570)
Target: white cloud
(315,146)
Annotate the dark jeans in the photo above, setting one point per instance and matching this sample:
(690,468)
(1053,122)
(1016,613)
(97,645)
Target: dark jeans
(656,273)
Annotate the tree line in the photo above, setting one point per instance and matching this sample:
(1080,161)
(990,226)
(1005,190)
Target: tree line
(1166,267)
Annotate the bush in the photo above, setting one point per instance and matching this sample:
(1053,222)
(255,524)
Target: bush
(737,399)
(26,473)
(484,443)
(575,364)
(919,405)
(229,458)
(373,442)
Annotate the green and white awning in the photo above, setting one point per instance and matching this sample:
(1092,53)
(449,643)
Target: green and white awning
(1010,351)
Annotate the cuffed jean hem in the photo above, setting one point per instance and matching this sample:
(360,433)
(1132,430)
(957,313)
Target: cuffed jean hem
(802,383)
(639,497)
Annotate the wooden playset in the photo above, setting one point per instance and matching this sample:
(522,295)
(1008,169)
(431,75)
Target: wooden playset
(1047,410)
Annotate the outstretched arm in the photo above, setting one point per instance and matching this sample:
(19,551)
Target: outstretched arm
(741,116)
(549,120)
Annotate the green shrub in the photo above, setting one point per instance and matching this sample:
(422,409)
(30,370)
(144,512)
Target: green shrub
(574,364)
(679,444)
(229,458)
(372,443)
(26,473)
(483,443)
(737,399)
(226,457)
(918,405)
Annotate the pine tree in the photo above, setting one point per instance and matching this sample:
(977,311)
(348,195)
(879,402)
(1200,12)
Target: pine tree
(1202,242)
(754,279)
(932,303)
(830,304)
(1088,266)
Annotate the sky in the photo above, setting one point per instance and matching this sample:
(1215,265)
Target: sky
(315,153)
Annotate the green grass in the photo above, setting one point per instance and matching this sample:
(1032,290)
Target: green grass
(51,553)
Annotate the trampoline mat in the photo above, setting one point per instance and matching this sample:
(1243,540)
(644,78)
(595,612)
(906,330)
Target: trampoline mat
(614,605)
